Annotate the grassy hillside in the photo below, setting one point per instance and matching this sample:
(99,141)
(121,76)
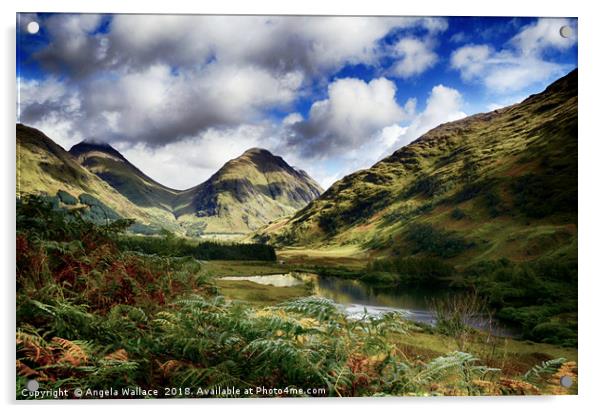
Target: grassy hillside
(43,167)
(245,194)
(488,203)
(107,163)
(500,184)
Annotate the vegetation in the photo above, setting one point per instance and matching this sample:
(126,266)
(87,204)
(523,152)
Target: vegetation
(246,193)
(457,315)
(426,272)
(425,238)
(92,316)
(539,297)
(172,246)
(66,198)
(486,203)
(499,185)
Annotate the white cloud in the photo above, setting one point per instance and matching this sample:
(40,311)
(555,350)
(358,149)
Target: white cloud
(544,34)
(280,42)
(521,65)
(353,111)
(415,56)
(180,95)
(189,162)
(73,48)
(157,79)
(471,60)
(494,106)
(507,101)
(50,106)
(292,118)
(458,37)
(443,105)
(156,106)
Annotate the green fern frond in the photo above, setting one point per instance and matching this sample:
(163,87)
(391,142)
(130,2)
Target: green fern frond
(548,367)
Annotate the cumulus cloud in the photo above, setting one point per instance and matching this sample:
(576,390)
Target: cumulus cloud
(50,106)
(415,56)
(353,111)
(545,33)
(522,63)
(157,79)
(157,107)
(75,47)
(280,43)
(187,163)
(444,104)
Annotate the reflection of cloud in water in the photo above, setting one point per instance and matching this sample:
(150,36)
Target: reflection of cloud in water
(276,280)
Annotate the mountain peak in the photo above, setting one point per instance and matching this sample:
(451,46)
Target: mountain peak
(253,151)
(87,146)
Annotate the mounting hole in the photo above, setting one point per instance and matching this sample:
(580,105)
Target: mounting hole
(566,381)
(33,27)
(33,385)
(566,31)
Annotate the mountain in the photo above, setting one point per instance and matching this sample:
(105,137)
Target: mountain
(497,184)
(112,167)
(43,167)
(245,194)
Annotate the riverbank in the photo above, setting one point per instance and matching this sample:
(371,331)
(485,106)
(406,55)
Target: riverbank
(423,342)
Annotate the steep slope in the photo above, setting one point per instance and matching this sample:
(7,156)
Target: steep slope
(112,167)
(246,193)
(499,184)
(43,167)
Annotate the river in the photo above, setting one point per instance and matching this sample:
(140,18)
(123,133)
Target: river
(356,297)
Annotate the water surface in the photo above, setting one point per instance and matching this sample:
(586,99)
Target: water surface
(357,297)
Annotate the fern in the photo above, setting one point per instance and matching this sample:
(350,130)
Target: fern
(548,367)
(317,307)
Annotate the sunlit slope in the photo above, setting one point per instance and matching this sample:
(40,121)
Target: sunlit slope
(43,167)
(107,163)
(499,184)
(246,193)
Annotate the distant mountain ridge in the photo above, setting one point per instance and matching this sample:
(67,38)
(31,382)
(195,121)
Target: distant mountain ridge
(244,194)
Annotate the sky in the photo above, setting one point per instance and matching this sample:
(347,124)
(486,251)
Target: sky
(180,95)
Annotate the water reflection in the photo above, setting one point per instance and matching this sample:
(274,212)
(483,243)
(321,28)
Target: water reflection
(356,297)
(277,280)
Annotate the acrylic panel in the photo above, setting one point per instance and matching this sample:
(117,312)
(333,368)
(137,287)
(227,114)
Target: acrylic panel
(295,206)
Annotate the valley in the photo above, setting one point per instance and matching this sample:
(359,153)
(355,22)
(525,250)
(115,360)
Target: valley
(459,248)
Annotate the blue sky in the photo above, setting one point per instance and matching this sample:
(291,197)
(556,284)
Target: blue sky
(180,95)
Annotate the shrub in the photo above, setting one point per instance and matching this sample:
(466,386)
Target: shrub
(458,214)
(66,198)
(170,245)
(427,239)
(426,271)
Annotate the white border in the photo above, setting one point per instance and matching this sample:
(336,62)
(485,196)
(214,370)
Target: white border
(590,150)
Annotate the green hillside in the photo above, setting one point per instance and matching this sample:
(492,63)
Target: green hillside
(245,194)
(43,167)
(486,203)
(493,185)
(108,164)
